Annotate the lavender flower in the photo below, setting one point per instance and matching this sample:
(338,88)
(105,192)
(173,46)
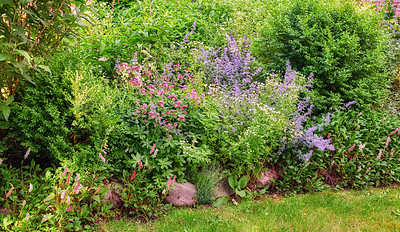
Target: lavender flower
(350,103)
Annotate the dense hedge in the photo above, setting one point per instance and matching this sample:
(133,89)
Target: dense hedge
(343,45)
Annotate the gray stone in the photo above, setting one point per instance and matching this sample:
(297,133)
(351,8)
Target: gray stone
(182,194)
(265,178)
(223,188)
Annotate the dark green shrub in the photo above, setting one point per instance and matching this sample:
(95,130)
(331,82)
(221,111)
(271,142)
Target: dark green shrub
(42,119)
(342,44)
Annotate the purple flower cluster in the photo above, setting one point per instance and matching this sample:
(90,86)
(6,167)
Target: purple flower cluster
(301,138)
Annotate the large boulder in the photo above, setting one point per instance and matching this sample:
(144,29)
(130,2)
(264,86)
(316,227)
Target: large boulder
(265,178)
(182,194)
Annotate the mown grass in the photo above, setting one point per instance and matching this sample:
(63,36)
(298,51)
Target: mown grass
(368,210)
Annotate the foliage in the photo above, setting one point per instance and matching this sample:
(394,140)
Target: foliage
(147,29)
(205,181)
(342,44)
(45,200)
(248,115)
(366,153)
(42,121)
(367,144)
(142,198)
(145,96)
(238,185)
(161,120)
(95,108)
(30,32)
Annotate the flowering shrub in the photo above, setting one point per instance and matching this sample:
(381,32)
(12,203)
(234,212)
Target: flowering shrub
(162,111)
(365,152)
(251,115)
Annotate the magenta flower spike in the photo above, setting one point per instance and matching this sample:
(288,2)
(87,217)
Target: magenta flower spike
(44,218)
(97,191)
(152,149)
(69,177)
(133,175)
(102,158)
(65,171)
(27,153)
(387,142)
(77,177)
(10,191)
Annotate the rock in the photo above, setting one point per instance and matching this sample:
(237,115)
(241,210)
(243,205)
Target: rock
(265,178)
(4,211)
(114,198)
(182,194)
(223,188)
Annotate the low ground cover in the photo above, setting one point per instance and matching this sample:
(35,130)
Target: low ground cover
(368,210)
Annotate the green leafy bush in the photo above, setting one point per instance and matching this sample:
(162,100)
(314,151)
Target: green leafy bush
(146,30)
(30,33)
(342,44)
(96,107)
(42,119)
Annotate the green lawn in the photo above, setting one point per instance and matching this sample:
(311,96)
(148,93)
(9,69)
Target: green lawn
(368,210)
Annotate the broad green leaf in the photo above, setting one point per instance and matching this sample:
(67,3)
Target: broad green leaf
(9,100)
(220,202)
(241,193)
(96,198)
(28,78)
(44,67)
(6,112)
(6,221)
(243,182)
(3,56)
(49,197)
(232,181)
(4,125)
(23,53)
